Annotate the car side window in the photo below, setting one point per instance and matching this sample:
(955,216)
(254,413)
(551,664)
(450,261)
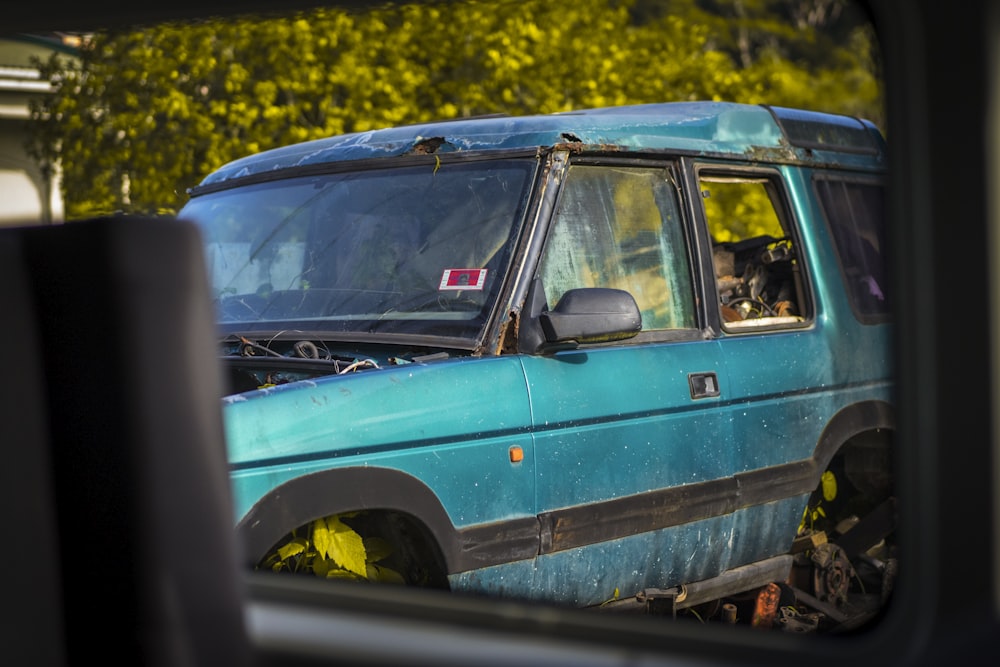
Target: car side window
(854,211)
(620,227)
(757,271)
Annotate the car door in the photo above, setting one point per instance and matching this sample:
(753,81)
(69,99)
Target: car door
(633,439)
(791,361)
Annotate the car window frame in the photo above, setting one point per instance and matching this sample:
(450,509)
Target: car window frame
(671,164)
(776,175)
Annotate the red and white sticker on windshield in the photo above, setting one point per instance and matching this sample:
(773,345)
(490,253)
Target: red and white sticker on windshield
(456,279)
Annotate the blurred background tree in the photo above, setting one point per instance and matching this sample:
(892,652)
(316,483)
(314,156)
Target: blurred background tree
(143,115)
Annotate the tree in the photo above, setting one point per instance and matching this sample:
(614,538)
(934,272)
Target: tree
(145,114)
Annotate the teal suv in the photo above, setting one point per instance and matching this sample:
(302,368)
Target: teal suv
(605,355)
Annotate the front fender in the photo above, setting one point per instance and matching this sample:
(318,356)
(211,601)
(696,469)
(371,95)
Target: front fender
(341,490)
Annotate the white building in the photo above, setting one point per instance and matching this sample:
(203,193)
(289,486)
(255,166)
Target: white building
(25,196)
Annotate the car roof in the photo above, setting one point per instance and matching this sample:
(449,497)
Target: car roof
(763,132)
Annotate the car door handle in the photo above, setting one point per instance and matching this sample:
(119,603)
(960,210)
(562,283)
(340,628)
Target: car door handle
(703,385)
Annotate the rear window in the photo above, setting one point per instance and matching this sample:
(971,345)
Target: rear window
(855,212)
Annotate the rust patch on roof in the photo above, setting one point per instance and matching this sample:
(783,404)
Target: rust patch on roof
(427,146)
(580,147)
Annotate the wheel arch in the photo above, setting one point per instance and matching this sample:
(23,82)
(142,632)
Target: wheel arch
(329,492)
(855,421)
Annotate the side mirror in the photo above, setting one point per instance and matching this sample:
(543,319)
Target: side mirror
(591,315)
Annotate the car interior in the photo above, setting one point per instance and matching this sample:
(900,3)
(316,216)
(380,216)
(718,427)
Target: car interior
(108,343)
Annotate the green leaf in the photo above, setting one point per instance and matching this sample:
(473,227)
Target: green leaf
(384,575)
(339,542)
(377,549)
(293,548)
(322,566)
(341,573)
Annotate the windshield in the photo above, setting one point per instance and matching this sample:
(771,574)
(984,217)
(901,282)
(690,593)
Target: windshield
(416,250)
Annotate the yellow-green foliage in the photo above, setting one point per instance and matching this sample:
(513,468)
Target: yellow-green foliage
(738,211)
(331,549)
(143,115)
